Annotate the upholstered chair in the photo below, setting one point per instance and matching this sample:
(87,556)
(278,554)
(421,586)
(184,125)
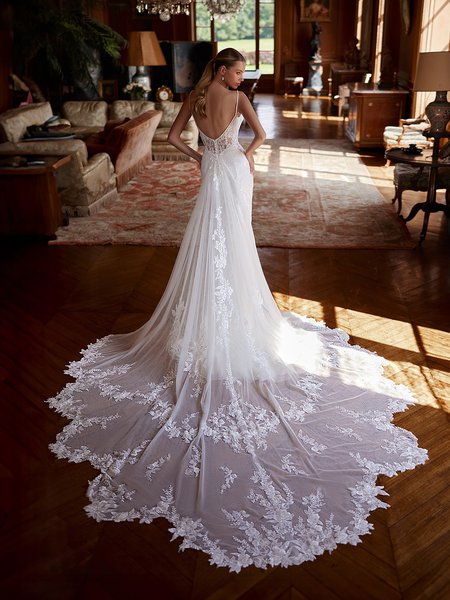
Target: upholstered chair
(84,184)
(416,179)
(161,149)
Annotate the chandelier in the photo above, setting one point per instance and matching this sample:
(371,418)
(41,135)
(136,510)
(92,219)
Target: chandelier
(223,9)
(164,8)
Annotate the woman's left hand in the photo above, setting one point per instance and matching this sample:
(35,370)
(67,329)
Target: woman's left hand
(251,162)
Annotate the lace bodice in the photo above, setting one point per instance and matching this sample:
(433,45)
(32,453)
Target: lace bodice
(227,139)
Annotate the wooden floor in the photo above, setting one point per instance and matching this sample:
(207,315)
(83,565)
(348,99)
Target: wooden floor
(55,300)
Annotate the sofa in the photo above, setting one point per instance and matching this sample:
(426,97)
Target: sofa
(128,142)
(85,183)
(162,150)
(85,117)
(90,117)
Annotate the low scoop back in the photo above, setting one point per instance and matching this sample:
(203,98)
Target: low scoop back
(221,129)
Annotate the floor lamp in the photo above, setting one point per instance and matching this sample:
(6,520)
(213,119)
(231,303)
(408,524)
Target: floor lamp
(144,51)
(433,74)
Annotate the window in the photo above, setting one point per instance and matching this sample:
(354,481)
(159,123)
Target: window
(251,31)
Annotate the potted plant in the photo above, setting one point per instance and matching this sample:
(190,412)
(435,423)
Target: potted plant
(61,46)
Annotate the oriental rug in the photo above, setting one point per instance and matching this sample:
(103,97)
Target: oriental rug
(308,194)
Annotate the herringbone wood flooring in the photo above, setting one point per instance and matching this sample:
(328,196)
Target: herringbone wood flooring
(55,300)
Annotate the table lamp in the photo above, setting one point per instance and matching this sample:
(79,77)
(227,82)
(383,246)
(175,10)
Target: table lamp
(433,74)
(144,51)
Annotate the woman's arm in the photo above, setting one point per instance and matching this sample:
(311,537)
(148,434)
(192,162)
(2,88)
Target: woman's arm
(177,128)
(248,112)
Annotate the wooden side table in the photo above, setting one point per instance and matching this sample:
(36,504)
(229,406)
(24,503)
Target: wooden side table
(29,200)
(428,158)
(371,109)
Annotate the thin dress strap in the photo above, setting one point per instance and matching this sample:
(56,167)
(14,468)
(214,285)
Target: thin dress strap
(237,102)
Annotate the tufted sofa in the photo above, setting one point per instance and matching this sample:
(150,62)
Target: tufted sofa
(91,117)
(84,184)
(86,117)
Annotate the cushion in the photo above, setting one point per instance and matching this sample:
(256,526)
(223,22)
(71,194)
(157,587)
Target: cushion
(121,109)
(162,133)
(88,113)
(14,122)
(170,111)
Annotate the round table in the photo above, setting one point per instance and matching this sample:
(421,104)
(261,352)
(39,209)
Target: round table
(428,158)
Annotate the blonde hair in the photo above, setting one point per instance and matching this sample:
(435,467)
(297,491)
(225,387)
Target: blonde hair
(226,57)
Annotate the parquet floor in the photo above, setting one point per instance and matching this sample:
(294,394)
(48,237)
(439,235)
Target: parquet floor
(55,300)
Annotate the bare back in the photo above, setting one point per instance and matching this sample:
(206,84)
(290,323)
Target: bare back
(221,108)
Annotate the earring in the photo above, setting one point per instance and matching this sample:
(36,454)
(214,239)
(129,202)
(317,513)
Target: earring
(223,78)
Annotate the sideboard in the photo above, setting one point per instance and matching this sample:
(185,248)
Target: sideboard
(371,109)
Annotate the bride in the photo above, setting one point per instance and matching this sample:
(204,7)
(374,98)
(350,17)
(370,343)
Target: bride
(257,434)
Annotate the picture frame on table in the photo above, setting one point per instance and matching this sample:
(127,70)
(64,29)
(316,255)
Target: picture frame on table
(315,10)
(108,89)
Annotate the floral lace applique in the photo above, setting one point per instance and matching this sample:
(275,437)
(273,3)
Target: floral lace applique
(288,466)
(175,337)
(185,430)
(193,467)
(227,139)
(345,431)
(242,426)
(111,463)
(223,289)
(154,467)
(314,445)
(229,478)
(378,418)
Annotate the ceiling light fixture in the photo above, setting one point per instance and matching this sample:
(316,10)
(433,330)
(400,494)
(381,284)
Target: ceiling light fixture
(223,9)
(164,8)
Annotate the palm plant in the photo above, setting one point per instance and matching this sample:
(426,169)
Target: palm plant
(60,46)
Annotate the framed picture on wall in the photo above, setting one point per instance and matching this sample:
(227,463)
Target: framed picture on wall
(315,10)
(189,60)
(108,89)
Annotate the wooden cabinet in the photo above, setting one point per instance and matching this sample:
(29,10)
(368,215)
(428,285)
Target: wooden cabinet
(340,74)
(370,110)
(29,201)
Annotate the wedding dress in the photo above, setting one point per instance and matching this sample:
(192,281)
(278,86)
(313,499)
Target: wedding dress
(257,434)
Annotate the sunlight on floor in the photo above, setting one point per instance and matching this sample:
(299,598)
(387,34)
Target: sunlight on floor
(317,117)
(405,347)
(300,162)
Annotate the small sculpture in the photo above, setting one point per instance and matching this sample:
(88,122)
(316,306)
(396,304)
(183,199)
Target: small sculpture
(315,84)
(314,44)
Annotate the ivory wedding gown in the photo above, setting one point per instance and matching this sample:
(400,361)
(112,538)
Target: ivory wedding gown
(258,434)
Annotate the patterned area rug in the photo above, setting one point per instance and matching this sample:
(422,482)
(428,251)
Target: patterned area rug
(308,194)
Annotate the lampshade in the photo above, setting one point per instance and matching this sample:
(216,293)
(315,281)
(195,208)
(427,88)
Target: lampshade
(144,50)
(433,72)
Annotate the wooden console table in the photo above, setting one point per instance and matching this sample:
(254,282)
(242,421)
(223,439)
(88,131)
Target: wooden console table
(29,201)
(371,110)
(340,74)
(428,158)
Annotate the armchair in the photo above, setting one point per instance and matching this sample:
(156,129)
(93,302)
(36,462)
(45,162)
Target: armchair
(161,149)
(84,185)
